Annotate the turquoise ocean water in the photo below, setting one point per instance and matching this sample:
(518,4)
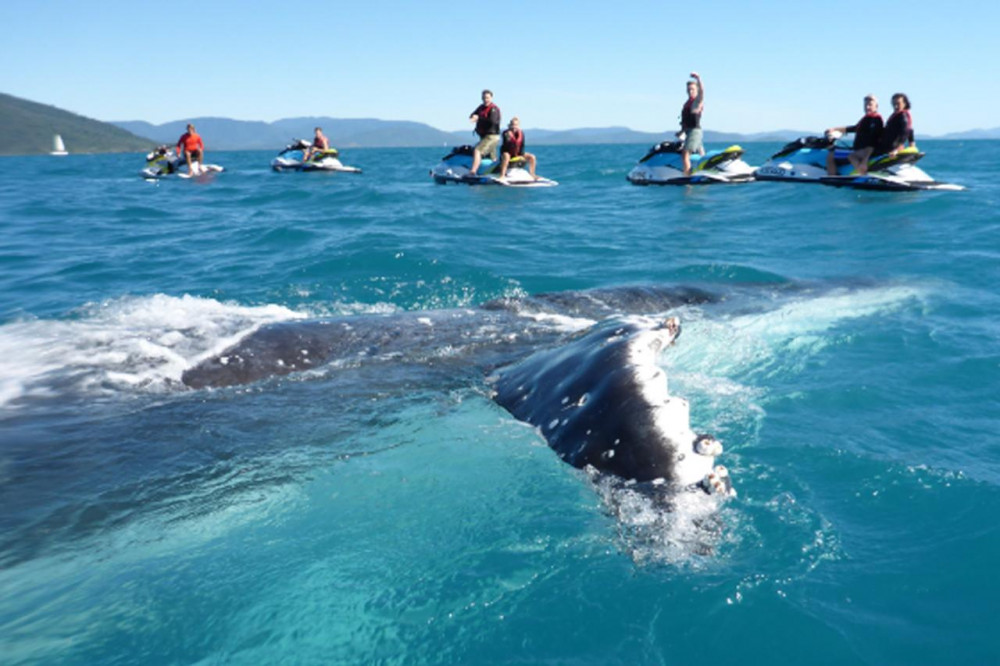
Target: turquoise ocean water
(389,512)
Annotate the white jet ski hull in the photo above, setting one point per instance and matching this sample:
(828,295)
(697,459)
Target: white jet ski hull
(663,165)
(328,164)
(182,172)
(456,168)
(805,161)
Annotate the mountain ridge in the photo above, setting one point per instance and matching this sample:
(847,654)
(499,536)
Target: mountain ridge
(231,134)
(27,127)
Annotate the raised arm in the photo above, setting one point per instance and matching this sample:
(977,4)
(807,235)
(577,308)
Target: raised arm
(699,101)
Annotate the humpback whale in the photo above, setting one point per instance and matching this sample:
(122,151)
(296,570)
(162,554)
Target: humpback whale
(595,392)
(504,327)
(601,401)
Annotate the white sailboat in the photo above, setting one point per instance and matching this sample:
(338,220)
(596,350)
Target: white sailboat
(58,147)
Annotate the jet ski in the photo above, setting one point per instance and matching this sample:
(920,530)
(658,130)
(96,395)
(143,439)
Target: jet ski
(290,159)
(456,167)
(164,162)
(804,161)
(663,165)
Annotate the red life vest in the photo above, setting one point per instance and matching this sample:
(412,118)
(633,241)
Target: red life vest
(484,110)
(513,142)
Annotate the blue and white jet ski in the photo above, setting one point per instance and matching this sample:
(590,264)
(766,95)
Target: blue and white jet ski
(804,161)
(163,162)
(456,167)
(290,159)
(663,165)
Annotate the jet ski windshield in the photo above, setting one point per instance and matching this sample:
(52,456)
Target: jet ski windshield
(810,142)
(663,147)
(460,150)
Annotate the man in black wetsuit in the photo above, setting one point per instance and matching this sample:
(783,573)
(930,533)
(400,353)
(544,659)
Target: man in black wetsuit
(867,133)
(487,119)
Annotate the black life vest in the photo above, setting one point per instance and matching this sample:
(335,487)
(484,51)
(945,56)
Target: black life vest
(484,124)
(898,130)
(689,119)
(867,132)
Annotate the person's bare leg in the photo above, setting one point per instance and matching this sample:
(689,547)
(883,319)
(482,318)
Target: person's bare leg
(862,166)
(831,163)
(504,161)
(475,162)
(686,158)
(531,164)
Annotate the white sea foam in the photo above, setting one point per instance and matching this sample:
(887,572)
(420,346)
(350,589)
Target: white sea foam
(680,532)
(783,338)
(129,343)
(560,322)
(710,354)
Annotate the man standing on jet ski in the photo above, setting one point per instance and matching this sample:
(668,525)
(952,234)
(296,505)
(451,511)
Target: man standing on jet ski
(898,129)
(193,147)
(867,133)
(487,119)
(690,132)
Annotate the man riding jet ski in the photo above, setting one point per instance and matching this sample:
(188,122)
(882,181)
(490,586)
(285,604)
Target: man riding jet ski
(300,155)
(663,165)
(883,157)
(456,167)
(163,161)
(805,161)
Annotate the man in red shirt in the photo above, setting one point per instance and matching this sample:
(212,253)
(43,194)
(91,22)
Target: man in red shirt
(193,148)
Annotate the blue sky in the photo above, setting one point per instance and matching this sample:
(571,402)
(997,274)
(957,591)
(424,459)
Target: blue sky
(801,65)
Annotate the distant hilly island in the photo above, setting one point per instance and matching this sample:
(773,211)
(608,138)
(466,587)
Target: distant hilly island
(28,127)
(228,134)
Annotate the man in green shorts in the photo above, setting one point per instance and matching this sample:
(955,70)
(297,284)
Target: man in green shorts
(691,121)
(487,119)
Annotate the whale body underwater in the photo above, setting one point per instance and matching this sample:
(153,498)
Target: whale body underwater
(579,366)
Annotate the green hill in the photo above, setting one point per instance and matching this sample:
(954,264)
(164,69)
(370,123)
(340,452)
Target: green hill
(27,128)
